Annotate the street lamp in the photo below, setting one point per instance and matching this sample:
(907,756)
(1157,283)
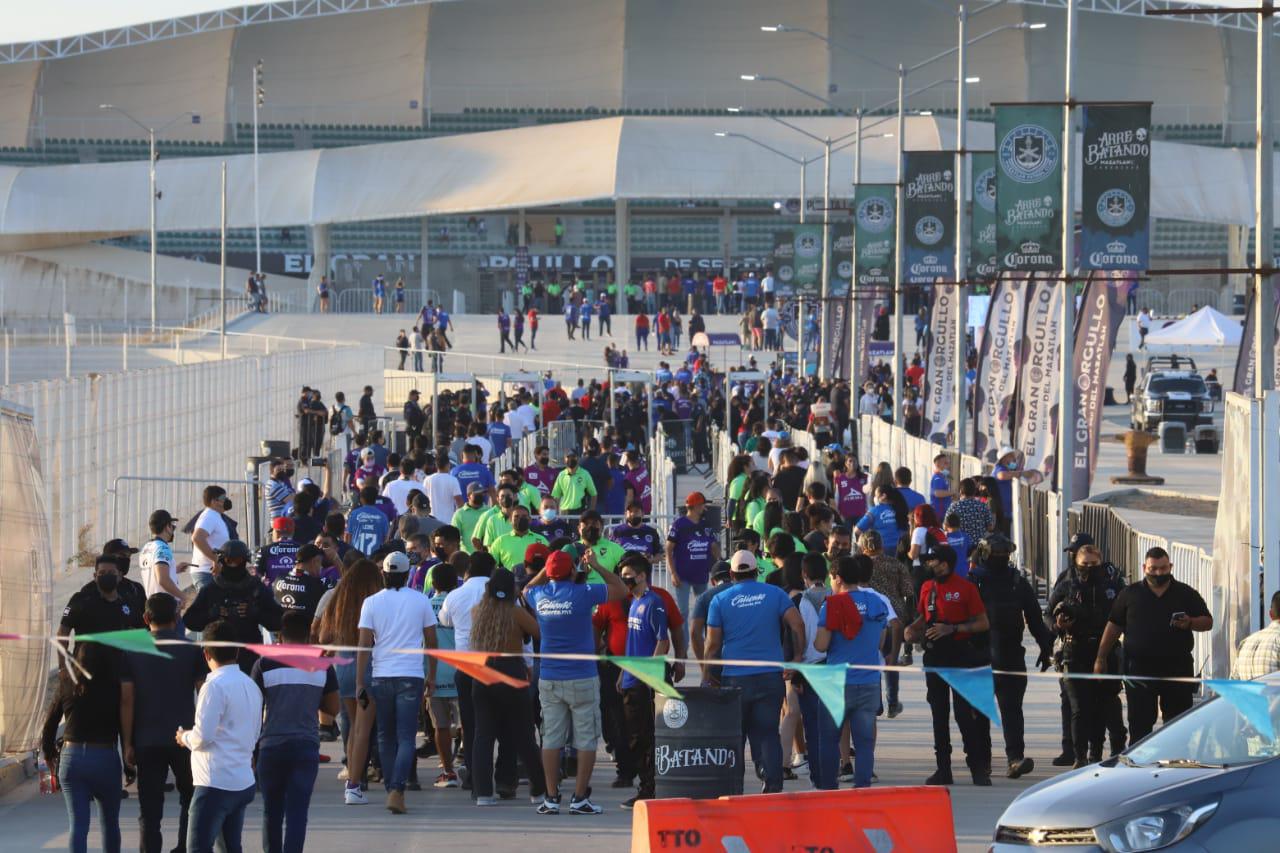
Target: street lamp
(151,186)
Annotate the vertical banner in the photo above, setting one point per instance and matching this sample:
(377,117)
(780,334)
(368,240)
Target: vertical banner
(522,266)
(1039,378)
(929,211)
(806,262)
(1029,186)
(983,261)
(939,371)
(1101,311)
(1242,383)
(841,261)
(1115,182)
(835,346)
(784,259)
(999,359)
(873,233)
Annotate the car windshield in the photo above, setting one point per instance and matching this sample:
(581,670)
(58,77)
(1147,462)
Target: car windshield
(1190,385)
(1215,733)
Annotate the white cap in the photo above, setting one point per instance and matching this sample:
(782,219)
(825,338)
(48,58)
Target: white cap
(366,453)
(1005,450)
(742,558)
(396,563)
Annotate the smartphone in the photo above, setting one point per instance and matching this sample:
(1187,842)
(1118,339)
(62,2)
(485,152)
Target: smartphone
(363,698)
(1175,617)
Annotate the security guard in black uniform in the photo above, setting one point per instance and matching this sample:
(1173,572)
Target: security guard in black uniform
(238,598)
(1079,607)
(1011,604)
(99,606)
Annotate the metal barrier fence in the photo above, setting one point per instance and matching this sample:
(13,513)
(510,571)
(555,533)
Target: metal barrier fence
(198,420)
(359,300)
(137,497)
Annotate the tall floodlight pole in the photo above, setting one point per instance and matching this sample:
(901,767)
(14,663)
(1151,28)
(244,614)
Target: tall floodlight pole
(962,231)
(1264,305)
(259,97)
(222,263)
(1067,317)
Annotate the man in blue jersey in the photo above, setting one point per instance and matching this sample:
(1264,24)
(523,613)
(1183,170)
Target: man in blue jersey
(746,623)
(367,526)
(646,637)
(940,491)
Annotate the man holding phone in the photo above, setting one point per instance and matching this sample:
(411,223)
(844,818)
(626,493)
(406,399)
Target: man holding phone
(1156,615)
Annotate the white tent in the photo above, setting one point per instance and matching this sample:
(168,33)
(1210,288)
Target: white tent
(1205,328)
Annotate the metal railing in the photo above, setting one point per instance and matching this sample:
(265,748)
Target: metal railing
(133,498)
(359,300)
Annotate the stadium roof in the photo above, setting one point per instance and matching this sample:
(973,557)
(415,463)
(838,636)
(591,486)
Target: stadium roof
(614,158)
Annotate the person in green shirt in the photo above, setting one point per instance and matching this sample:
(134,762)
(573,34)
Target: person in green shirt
(467,516)
(591,529)
(498,521)
(508,549)
(574,488)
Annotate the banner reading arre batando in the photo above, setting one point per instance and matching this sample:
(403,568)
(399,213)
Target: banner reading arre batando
(1115,182)
(928,208)
(983,262)
(1029,187)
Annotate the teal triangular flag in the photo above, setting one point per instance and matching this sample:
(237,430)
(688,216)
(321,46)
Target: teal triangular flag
(1249,700)
(828,683)
(130,640)
(977,686)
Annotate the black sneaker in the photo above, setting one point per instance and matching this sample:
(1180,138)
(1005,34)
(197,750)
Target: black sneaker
(550,805)
(630,804)
(1020,767)
(1066,759)
(982,780)
(506,793)
(846,773)
(584,805)
(621,782)
(940,777)
(789,775)
(329,733)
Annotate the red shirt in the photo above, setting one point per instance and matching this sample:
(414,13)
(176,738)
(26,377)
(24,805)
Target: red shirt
(719,284)
(674,285)
(550,411)
(914,372)
(533,318)
(957,601)
(642,322)
(664,323)
(612,617)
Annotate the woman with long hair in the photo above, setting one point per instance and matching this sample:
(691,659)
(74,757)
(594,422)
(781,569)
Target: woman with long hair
(882,477)
(847,485)
(503,714)
(754,500)
(740,467)
(88,764)
(339,626)
(924,524)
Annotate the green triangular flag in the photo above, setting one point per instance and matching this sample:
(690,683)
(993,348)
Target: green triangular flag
(133,640)
(650,671)
(828,682)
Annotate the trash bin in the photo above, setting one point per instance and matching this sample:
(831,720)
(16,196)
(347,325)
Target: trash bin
(276,449)
(1206,439)
(698,744)
(1173,437)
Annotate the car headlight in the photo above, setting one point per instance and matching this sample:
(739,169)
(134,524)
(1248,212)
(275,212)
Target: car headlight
(1155,405)
(1154,830)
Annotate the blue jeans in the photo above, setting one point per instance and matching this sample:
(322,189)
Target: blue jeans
(398,702)
(762,698)
(201,579)
(685,593)
(890,678)
(822,734)
(88,773)
(217,816)
(287,774)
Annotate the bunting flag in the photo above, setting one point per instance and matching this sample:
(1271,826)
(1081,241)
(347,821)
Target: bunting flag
(1250,700)
(475,664)
(977,686)
(649,670)
(137,640)
(304,657)
(828,682)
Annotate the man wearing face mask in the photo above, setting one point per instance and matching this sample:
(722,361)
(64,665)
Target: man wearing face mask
(607,554)
(280,491)
(634,535)
(427,552)
(497,521)
(210,532)
(508,549)
(574,488)
(951,615)
(276,559)
(550,524)
(1156,615)
(237,598)
(468,516)
(99,605)
(540,474)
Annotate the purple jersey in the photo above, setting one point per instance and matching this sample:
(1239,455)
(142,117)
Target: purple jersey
(638,480)
(276,559)
(541,479)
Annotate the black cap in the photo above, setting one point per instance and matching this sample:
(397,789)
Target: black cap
(1079,541)
(160,519)
(307,552)
(943,553)
(118,547)
(722,569)
(998,543)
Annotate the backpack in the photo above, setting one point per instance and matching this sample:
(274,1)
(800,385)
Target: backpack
(335,421)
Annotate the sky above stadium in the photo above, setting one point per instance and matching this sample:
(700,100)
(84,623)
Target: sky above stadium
(50,19)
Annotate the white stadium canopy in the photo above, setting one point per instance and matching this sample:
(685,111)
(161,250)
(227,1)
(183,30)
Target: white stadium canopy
(1205,328)
(673,158)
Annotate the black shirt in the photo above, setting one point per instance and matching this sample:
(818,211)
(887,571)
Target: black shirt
(89,613)
(790,482)
(299,592)
(1144,617)
(164,689)
(91,708)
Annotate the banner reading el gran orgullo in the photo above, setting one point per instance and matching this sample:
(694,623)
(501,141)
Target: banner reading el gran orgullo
(983,262)
(1040,378)
(1029,187)
(1115,182)
(939,387)
(999,360)
(928,208)
(1101,310)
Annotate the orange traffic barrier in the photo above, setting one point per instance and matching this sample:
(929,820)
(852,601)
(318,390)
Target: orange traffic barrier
(874,820)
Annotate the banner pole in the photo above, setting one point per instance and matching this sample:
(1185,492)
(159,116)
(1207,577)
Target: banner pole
(855,309)
(1264,296)
(899,246)
(962,231)
(824,368)
(1066,325)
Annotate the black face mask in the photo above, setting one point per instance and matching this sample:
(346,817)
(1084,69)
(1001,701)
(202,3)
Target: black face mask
(226,504)
(572,464)
(235,574)
(630,582)
(1159,580)
(520,525)
(476,500)
(440,553)
(635,521)
(591,535)
(543,460)
(108,583)
(506,502)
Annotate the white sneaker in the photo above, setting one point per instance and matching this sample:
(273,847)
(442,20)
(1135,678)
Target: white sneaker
(800,760)
(486,801)
(354,797)
(342,775)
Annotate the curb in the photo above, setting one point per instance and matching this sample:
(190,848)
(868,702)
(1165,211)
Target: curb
(13,772)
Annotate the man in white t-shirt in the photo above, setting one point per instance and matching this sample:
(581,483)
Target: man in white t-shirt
(159,569)
(397,617)
(210,534)
(768,285)
(398,490)
(444,491)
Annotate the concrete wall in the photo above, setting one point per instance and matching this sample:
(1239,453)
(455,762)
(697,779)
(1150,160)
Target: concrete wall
(494,53)
(340,69)
(17,97)
(154,82)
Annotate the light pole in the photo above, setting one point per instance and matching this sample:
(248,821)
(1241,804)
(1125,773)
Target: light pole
(151,188)
(959,367)
(259,98)
(1067,314)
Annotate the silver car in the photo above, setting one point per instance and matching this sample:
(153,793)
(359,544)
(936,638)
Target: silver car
(1207,781)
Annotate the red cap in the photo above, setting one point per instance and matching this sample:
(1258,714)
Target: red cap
(695,499)
(283,523)
(559,566)
(534,551)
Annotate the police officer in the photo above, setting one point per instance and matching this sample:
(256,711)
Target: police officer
(1078,608)
(132,591)
(99,606)
(951,625)
(236,597)
(1011,604)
